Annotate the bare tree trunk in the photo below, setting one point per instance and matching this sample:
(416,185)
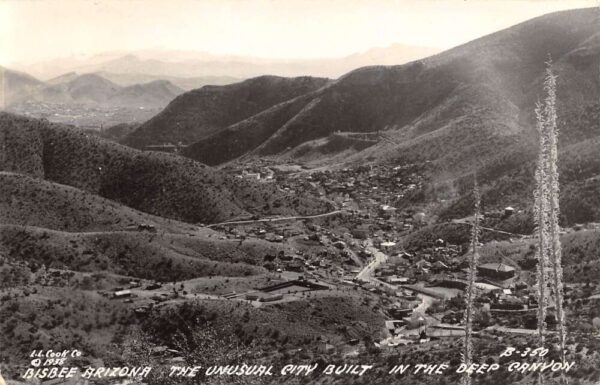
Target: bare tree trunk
(556,247)
(540,218)
(547,213)
(470,294)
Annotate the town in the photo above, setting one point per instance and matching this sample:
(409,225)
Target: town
(364,248)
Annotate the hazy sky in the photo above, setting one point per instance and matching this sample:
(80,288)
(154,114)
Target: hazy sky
(36,30)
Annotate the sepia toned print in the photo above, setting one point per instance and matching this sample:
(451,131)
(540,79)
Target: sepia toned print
(299,192)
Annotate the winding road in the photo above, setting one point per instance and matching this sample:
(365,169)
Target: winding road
(276,219)
(366,274)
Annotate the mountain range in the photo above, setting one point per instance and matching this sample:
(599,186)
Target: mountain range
(117,87)
(86,89)
(466,110)
(215,69)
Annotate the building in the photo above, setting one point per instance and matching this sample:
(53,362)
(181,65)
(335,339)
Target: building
(400,313)
(496,271)
(122,294)
(251,175)
(508,211)
(271,298)
(395,280)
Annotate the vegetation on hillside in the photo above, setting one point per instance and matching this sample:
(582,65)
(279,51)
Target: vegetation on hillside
(162,184)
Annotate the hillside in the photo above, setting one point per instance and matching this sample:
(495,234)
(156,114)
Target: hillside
(157,183)
(30,201)
(510,180)
(164,257)
(478,96)
(200,113)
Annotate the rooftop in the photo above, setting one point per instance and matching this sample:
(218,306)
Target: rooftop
(497,267)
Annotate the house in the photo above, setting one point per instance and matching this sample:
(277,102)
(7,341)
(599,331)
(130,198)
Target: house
(395,280)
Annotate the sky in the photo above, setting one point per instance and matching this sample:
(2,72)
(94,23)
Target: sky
(36,30)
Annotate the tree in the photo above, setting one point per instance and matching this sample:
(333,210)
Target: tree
(200,344)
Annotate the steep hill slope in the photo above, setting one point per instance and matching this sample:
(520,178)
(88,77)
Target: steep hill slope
(453,108)
(200,113)
(161,184)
